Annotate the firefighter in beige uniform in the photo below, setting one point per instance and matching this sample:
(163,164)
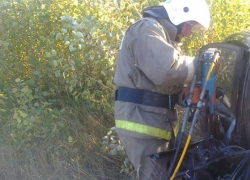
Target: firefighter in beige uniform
(150,74)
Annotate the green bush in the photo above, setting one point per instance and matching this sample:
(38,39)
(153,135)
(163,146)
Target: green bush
(57,61)
(56,49)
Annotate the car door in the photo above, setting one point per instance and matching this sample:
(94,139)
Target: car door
(234,79)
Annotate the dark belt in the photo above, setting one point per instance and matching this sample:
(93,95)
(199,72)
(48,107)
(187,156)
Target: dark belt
(149,98)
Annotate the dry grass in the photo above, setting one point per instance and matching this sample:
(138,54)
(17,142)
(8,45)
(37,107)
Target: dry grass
(197,133)
(36,163)
(55,158)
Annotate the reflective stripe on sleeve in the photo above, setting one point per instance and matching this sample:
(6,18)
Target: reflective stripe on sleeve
(145,129)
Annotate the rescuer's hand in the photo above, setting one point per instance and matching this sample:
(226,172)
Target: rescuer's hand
(196,94)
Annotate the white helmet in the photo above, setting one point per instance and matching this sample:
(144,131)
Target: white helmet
(180,11)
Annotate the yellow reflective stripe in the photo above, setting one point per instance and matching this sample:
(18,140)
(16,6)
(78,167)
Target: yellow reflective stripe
(145,129)
(176,128)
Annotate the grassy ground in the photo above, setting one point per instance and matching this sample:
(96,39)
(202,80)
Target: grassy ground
(54,158)
(38,164)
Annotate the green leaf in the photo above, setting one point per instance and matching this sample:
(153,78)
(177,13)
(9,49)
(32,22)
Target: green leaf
(105,142)
(37,73)
(119,148)
(17,80)
(92,57)
(31,82)
(105,138)
(6,44)
(14,90)
(2,102)
(49,55)
(67,43)
(112,146)
(126,161)
(15,115)
(45,93)
(58,35)
(70,139)
(19,126)
(113,152)
(25,122)
(103,73)
(70,88)
(25,89)
(57,73)
(71,48)
(23,114)
(18,120)
(113,128)
(64,31)
(79,34)
(53,52)
(54,62)
(32,119)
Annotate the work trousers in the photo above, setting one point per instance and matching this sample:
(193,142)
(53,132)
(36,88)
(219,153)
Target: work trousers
(137,150)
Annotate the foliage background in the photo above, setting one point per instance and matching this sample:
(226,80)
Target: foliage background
(57,62)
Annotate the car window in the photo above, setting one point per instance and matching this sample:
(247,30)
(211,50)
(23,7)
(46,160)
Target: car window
(230,62)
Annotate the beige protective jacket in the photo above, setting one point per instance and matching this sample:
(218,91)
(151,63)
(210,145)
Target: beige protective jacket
(149,60)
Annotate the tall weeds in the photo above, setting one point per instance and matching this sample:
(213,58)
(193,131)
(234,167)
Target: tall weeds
(71,151)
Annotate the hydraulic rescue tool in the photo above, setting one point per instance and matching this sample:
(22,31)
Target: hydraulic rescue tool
(223,114)
(208,58)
